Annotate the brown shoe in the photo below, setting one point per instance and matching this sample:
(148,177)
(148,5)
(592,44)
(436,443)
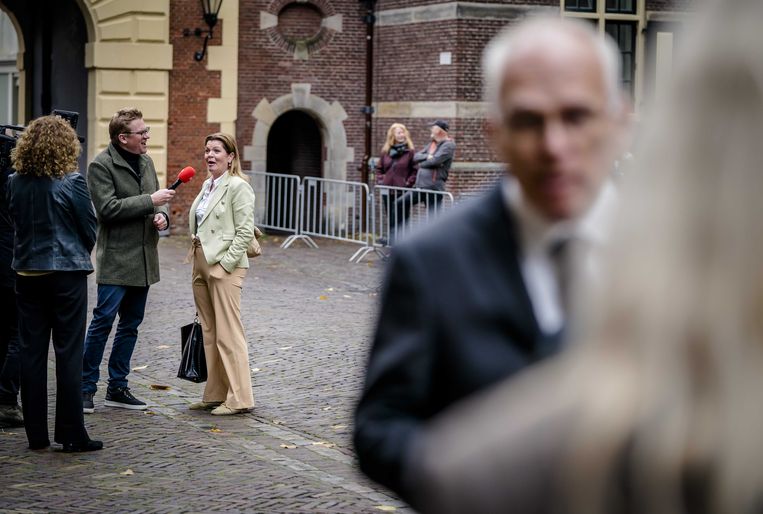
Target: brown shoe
(204,405)
(224,410)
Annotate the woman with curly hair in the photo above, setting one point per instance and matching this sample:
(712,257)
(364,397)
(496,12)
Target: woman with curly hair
(55,227)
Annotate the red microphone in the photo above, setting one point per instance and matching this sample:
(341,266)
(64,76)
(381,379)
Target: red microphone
(184,176)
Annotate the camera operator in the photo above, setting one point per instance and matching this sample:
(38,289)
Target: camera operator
(10,412)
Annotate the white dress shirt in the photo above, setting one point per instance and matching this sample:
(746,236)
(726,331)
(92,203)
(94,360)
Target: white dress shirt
(536,238)
(201,208)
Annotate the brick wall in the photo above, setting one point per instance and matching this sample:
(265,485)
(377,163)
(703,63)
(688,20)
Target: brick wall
(465,183)
(670,5)
(406,68)
(190,87)
(407,62)
(336,71)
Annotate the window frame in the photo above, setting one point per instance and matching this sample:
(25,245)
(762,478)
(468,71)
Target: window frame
(12,74)
(601,17)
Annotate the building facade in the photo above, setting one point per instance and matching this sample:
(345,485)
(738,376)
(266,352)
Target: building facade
(289,77)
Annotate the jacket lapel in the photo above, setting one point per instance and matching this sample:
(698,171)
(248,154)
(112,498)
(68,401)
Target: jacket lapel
(217,195)
(503,230)
(195,226)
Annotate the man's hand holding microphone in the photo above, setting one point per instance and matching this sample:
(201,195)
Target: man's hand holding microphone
(163,196)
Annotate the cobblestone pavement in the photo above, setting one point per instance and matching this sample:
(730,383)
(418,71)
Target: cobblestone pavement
(308,316)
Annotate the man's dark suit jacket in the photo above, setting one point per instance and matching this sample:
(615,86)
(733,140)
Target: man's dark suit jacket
(455,318)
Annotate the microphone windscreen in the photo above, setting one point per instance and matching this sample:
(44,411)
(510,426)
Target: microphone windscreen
(186,174)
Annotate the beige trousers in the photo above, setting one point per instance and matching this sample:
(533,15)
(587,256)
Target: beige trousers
(217,294)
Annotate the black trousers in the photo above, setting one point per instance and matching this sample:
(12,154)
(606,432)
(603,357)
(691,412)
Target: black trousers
(52,305)
(403,205)
(9,348)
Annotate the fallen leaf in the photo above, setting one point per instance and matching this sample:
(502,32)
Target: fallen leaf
(277,422)
(386,508)
(127,472)
(159,387)
(215,430)
(289,446)
(324,444)
(162,347)
(323,297)
(138,368)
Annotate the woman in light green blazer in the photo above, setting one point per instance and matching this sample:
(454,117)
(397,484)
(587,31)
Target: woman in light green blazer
(222,225)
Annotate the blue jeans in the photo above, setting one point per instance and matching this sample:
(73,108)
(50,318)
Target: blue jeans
(130,304)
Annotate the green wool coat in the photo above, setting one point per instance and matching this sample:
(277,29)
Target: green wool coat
(126,253)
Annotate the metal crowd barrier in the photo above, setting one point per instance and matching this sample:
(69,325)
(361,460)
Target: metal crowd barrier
(342,210)
(277,205)
(334,209)
(397,211)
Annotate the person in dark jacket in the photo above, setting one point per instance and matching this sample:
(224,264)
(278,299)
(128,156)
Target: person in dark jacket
(655,408)
(10,412)
(394,169)
(480,295)
(54,226)
(131,210)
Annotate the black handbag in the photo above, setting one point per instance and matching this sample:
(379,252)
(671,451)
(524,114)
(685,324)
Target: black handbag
(193,362)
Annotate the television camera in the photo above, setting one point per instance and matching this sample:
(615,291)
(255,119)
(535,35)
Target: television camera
(9,134)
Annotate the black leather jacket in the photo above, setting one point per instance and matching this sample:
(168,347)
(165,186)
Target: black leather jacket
(54,222)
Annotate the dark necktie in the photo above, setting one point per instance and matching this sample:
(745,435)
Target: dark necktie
(567,256)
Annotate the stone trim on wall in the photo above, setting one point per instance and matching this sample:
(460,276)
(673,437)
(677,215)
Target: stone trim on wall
(129,57)
(432,110)
(224,58)
(464,166)
(301,50)
(670,16)
(458,11)
(330,118)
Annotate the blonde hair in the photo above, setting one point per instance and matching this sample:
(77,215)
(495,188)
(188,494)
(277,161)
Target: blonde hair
(47,148)
(668,366)
(229,143)
(390,142)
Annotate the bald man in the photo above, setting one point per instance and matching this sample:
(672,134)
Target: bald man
(484,293)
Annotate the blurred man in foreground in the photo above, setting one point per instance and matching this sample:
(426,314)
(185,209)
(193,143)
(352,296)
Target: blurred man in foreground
(483,293)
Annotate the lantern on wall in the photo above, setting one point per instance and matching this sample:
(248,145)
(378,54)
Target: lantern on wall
(210,8)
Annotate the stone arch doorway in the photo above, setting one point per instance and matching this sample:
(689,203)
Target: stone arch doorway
(51,60)
(10,46)
(103,56)
(295,145)
(329,117)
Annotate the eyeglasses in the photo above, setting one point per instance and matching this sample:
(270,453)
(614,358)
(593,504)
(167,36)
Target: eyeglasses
(142,133)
